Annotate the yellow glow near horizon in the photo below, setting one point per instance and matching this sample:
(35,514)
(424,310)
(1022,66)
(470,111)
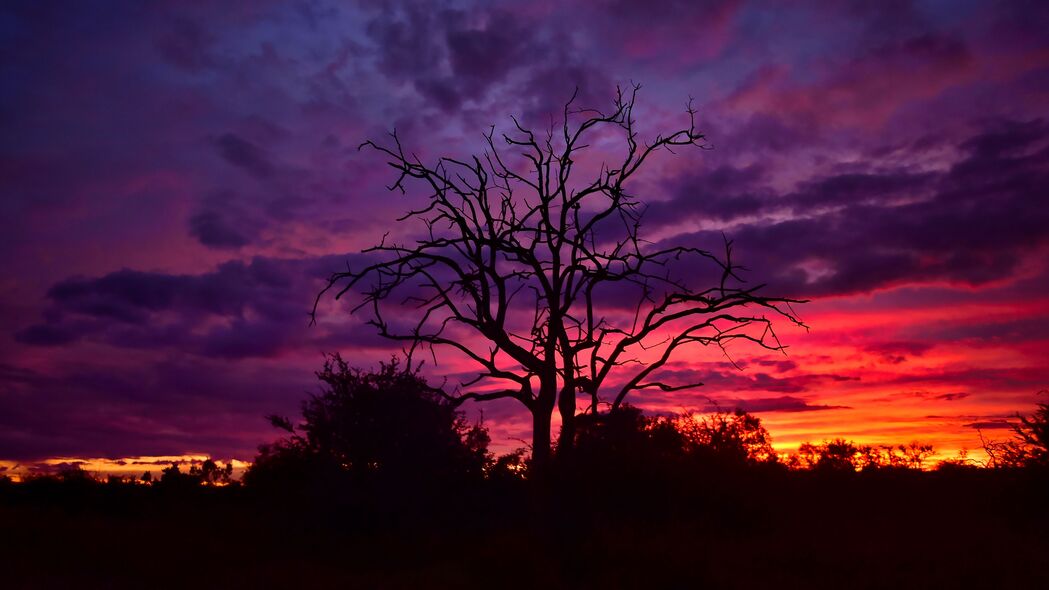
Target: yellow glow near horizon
(102,467)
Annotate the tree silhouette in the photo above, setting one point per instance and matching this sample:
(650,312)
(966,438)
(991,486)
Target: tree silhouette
(730,436)
(207,473)
(626,434)
(901,456)
(543,281)
(388,425)
(1032,433)
(835,455)
(1029,446)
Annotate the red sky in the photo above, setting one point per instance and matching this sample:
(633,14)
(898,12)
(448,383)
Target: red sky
(177,180)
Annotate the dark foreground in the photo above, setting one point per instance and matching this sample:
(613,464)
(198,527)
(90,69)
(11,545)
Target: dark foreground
(752,529)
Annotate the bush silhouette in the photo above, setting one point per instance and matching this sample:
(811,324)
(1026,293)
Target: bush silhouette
(1032,433)
(383,426)
(1029,446)
(624,439)
(838,455)
(728,437)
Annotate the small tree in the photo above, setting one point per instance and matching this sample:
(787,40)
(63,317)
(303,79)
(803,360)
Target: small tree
(543,281)
(835,455)
(735,436)
(388,424)
(209,473)
(1030,444)
(902,456)
(1032,433)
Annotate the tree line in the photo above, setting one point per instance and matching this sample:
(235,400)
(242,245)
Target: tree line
(390,425)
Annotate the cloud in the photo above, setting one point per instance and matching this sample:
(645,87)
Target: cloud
(244,154)
(784,403)
(161,407)
(896,352)
(1019,378)
(865,90)
(666,34)
(452,56)
(724,193)
(991,425)
(780,366)
(722,377)
(187,45)
(995,330)
(215,231)
(240,310)
(46,335)
(972,223)
(925,395)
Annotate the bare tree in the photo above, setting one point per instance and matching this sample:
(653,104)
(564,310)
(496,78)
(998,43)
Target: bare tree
(544,281)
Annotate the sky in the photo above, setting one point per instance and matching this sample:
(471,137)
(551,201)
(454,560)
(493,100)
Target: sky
(177,179)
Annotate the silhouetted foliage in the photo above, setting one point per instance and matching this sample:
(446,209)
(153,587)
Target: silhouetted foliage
(840,455)
(736,437)
(1033,433)
(208,473)
(619,435)
(654,501)
(1029,446)
(961,462)
(912,455)
(386,425)
(836,455)
(625,438)
(510,466)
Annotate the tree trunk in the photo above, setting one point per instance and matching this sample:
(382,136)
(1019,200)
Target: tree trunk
(541,438)
(566,407)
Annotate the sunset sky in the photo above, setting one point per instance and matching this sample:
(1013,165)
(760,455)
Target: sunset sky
(176,180)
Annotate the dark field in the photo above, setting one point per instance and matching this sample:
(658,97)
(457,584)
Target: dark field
(751,528)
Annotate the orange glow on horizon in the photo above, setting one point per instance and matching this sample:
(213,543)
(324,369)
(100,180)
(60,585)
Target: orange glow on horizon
(101,468)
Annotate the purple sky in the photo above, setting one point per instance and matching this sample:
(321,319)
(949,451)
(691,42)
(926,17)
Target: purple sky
(176,178)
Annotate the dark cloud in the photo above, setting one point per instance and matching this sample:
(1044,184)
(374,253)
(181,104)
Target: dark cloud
(215,231)
(725,378)
(972,223)
(979,379)
(784,403)
(46,335)
(486,55)
(159,408)
(409,40)
(186,45)
(450,56)
(1026,329)
(925,395)
(255,309)
(229,220)
(855,189)
(896,352)
(724,193)
(779,366)
(244,154)
(991,425)
(549,86)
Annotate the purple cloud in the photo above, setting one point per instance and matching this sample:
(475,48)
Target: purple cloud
(785,403)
